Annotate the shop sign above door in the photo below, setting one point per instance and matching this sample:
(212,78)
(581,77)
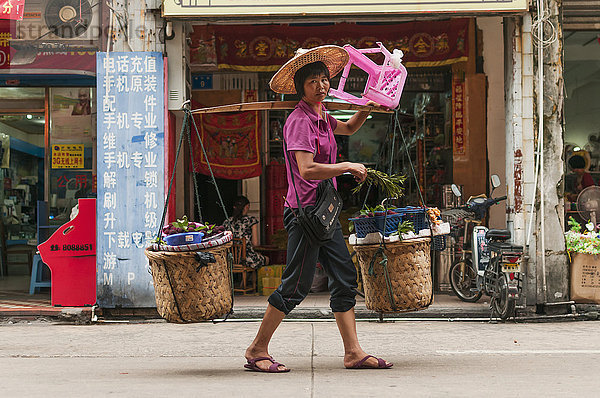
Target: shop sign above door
(240,8)
(265,48)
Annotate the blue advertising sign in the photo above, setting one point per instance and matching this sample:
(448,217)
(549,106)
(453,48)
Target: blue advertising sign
(131,171)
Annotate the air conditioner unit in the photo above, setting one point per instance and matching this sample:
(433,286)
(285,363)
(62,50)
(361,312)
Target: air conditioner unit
(60,21)
(179,74)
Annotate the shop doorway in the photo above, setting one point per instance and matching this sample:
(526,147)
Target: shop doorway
(72,150)
(47,161)
(210,206)
(582,116)
(22,154)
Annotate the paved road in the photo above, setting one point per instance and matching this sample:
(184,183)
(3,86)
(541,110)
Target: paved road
(432,359)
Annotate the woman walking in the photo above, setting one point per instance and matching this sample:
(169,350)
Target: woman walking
(311,152)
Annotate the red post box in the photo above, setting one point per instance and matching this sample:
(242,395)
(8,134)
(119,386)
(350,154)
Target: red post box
(70,253)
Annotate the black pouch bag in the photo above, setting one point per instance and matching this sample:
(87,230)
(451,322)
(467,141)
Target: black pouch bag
(318,222)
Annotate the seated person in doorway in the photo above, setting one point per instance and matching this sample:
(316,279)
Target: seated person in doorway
(244,226)
(577,163)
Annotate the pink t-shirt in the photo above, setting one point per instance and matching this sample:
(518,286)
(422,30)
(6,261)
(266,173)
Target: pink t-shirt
(304,130)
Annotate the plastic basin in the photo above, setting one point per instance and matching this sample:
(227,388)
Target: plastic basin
(185,238)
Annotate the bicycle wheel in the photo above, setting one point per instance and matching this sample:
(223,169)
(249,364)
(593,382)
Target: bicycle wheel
(503,305)
(463,280)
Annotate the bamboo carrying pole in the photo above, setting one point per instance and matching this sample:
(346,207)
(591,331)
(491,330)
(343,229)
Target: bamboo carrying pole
(279,105)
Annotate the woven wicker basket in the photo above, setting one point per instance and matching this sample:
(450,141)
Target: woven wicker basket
(195,295)
(409,271)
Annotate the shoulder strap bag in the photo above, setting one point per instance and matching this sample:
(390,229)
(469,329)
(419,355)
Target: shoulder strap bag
(319,222)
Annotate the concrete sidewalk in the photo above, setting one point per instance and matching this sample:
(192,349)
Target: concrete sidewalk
(431,359)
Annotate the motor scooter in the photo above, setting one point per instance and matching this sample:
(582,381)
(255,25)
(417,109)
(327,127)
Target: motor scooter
(489,263)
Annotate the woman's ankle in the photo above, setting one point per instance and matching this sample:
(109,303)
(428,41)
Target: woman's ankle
(354,351)
(254,350)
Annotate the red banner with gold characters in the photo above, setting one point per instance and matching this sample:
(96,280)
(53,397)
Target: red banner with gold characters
(459,147)
(12,9)
(231,141)
(7,30)
(267,47)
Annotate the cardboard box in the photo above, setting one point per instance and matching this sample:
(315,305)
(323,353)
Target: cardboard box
(585,278)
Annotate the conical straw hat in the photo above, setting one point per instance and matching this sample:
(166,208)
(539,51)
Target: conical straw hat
(334,57)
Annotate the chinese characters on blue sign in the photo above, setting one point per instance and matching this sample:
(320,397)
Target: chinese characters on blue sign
(130,174)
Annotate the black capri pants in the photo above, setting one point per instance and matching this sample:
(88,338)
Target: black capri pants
(298,274)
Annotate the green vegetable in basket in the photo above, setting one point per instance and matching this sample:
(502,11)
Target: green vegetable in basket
(183,225)
(391,186)
(404,228)
(370,211)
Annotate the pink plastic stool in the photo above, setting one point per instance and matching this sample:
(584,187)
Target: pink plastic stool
(385,82)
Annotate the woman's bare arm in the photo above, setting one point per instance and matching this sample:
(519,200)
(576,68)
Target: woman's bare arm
(311,170)
(255,235)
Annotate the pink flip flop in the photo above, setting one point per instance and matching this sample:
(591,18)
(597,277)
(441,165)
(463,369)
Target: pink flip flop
(274,368)
(381,364)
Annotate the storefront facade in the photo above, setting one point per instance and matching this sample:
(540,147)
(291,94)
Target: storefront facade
(233,55)
(580,30)
(47,127)
(483,50)
(49,118)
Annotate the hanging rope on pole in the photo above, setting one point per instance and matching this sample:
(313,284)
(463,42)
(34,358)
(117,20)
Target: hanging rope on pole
(412,167)
(164,215)
(196,192)
(379,158)
(185,133)
(214,181)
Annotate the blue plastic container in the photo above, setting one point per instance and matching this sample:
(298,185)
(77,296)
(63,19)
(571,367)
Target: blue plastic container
(417,216)
(185,238)
(364,226)
(388,225)
(391,223)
